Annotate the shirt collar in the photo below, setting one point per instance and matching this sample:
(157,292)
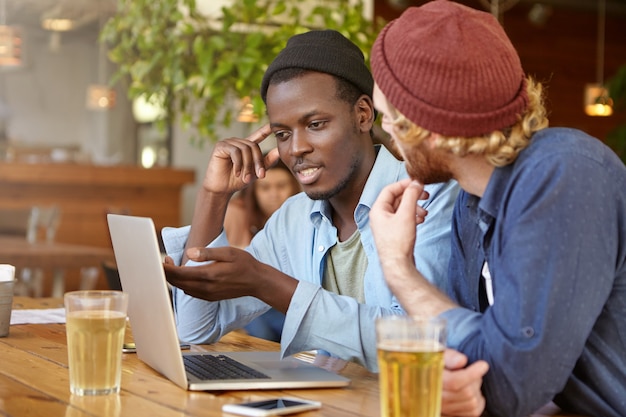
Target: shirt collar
(498,182)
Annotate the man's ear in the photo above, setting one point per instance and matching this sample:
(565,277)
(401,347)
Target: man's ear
(365,113)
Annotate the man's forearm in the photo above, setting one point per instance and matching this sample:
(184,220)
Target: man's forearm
(208,219)
(417,296)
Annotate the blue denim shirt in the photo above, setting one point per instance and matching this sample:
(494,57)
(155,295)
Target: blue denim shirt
(552,228)
(296,240)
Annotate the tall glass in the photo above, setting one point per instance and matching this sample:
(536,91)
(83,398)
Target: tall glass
(96,321)
(410,361)
(7,279)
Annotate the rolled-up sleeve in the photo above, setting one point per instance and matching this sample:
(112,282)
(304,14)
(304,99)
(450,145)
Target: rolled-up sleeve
(199,321)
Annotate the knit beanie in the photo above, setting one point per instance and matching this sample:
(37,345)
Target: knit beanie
(450,69)
(326,51)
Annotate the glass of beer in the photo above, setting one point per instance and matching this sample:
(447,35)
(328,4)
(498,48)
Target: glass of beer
(410,361)
(96,321)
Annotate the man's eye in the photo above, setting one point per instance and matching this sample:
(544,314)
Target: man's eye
(281,135)
(317,124)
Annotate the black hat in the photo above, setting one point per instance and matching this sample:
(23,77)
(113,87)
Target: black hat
(326,51)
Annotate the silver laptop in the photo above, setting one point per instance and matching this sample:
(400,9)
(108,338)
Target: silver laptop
(142,276)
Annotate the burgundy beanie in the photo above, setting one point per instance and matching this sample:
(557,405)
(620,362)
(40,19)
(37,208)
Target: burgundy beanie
(450,69)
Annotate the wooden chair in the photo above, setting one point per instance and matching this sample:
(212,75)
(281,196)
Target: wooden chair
(44,223)
(35,224)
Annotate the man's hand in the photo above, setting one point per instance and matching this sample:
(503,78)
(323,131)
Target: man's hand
(461,395)
(394,217)
(232,273)
(235,163)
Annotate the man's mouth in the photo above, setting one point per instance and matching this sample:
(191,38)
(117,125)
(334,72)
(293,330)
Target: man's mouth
(307,175)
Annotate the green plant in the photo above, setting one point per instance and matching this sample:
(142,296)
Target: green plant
(195,65)
(616,139)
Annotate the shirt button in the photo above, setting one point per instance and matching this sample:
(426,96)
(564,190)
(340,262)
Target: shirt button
(320,248)
(528,331)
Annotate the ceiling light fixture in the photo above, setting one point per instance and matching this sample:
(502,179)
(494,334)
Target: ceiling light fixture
(58,25)
(597,100)
(10,41)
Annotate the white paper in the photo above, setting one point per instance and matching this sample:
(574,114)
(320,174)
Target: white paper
(38,316)
(7,272)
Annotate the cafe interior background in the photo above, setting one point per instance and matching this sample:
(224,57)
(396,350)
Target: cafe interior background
(57,105)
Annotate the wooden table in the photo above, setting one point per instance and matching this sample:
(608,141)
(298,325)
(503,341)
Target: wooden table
(34,381)
(53,256)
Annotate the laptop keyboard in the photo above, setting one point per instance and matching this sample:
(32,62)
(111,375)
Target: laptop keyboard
(217,367)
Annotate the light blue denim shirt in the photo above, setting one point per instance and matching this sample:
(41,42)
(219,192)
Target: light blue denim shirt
(296,240)
(552,227)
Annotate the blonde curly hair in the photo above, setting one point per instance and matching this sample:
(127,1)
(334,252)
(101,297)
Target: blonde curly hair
(500,147)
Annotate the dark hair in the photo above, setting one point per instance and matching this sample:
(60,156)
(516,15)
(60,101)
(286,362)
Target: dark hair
(346,91)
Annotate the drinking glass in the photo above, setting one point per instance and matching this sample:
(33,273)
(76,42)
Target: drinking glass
(410,361)
(96,321)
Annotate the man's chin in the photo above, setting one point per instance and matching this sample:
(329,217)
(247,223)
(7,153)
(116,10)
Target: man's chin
(316,195)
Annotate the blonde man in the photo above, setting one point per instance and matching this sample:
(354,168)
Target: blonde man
(537,276)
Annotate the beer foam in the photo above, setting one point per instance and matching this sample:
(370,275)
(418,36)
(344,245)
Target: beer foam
(411,346)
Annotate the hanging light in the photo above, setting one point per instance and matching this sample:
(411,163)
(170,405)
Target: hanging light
(10,41)
(597,100)
(246,111)
(100,96)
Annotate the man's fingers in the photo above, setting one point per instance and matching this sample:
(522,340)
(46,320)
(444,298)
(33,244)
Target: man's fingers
(222,254)
(453,359)
(456,380)
(387,200)
(461,395)
(409,198)
(397,189)
(246,158)
(260,134)
(470,407)
(257,137)
(271,158)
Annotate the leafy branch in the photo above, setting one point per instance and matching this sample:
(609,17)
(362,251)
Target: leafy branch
(195,65)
